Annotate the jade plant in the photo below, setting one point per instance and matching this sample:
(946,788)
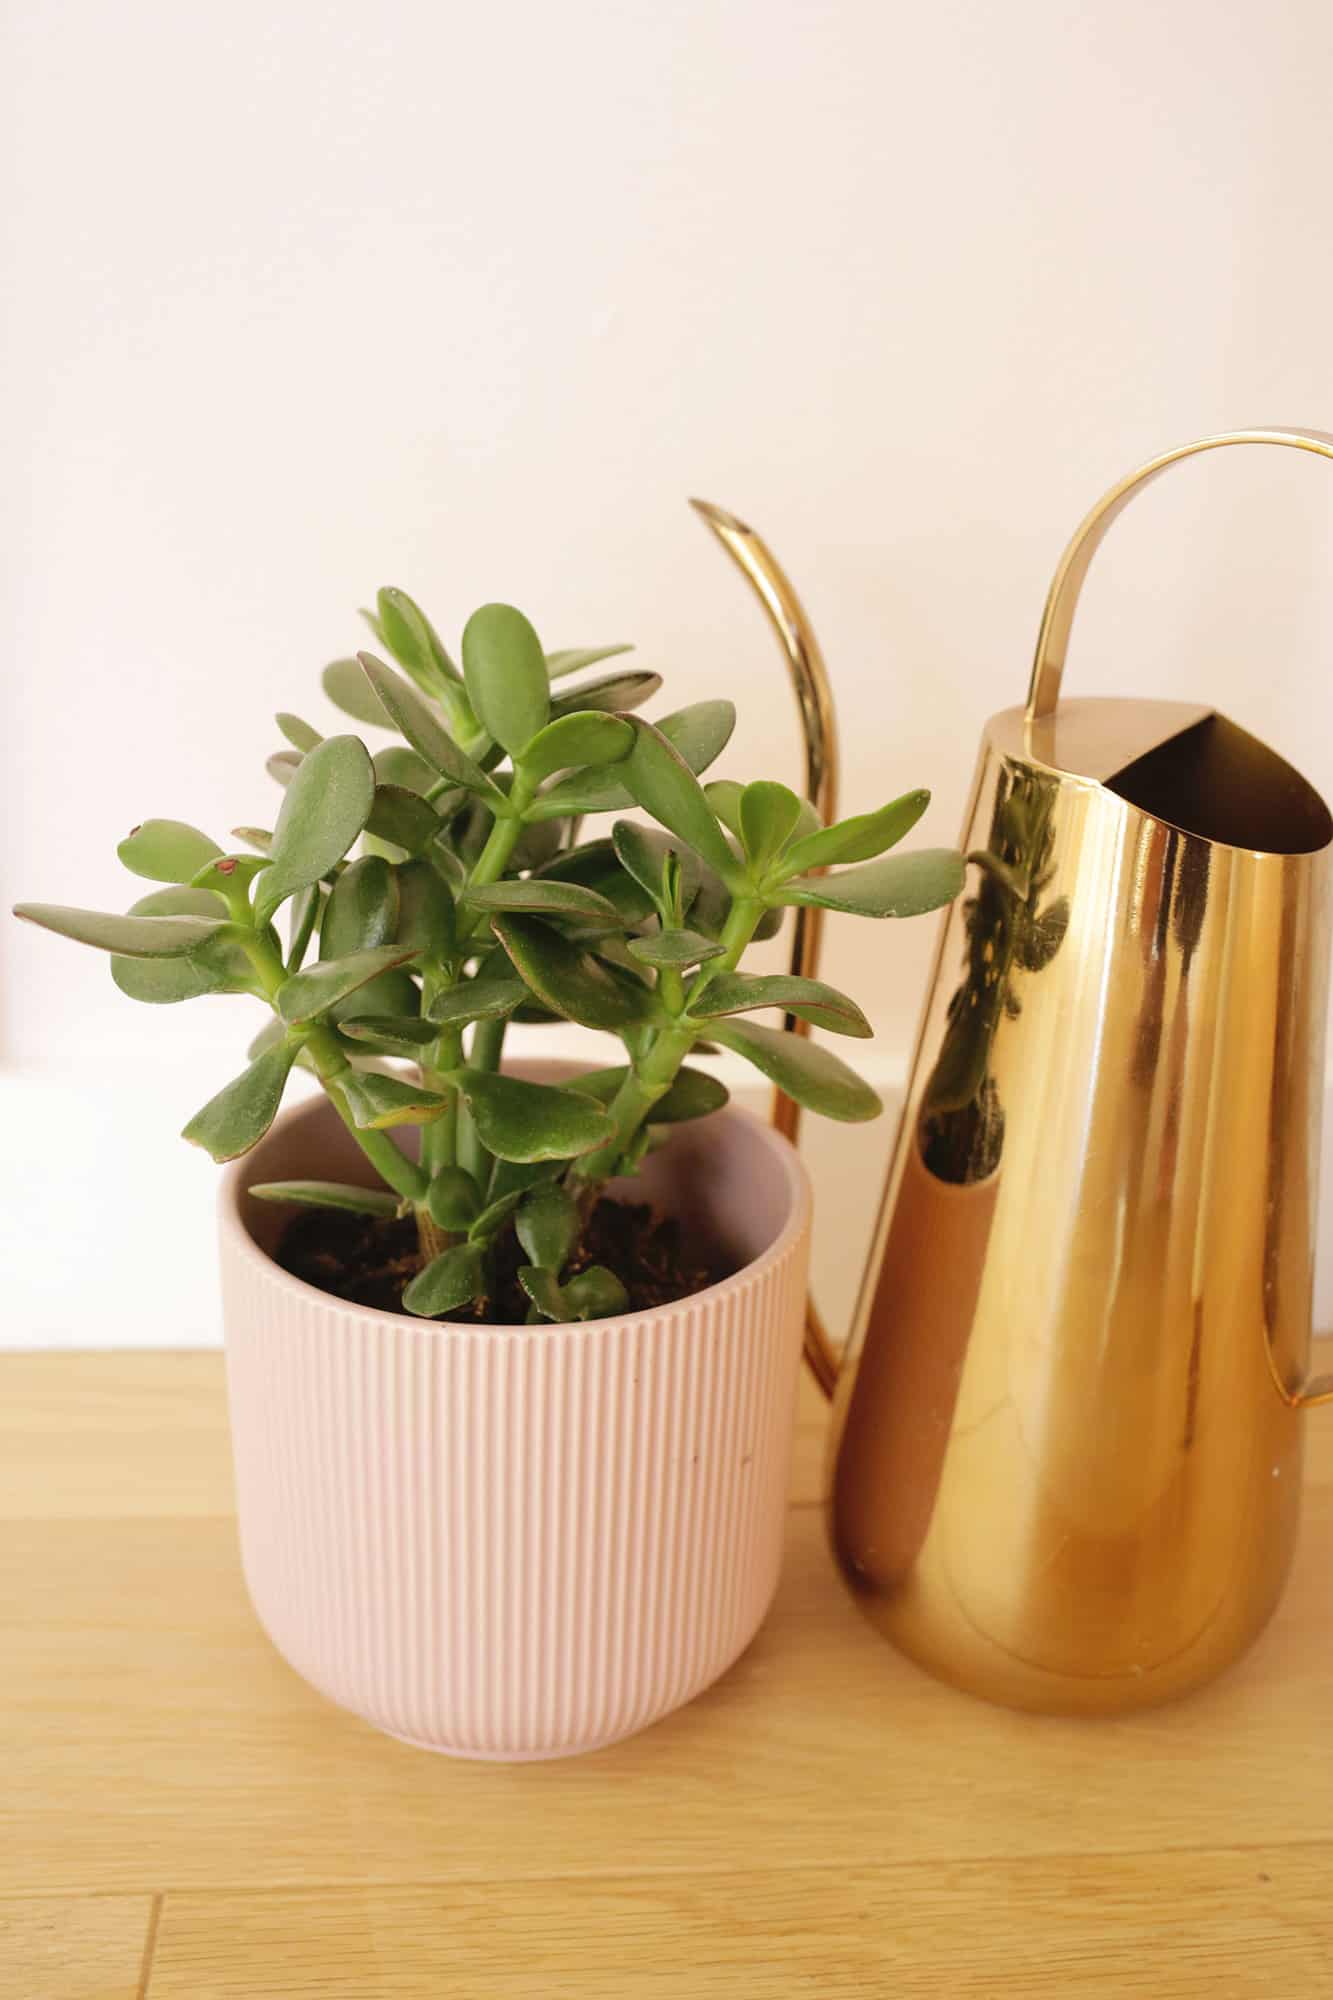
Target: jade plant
(443,887)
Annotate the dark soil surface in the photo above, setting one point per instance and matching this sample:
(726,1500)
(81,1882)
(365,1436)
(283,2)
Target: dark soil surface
(369,1261)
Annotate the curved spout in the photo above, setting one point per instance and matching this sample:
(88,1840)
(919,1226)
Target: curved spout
(819,728)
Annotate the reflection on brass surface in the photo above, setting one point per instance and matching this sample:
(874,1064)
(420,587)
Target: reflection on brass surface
(1067,1441)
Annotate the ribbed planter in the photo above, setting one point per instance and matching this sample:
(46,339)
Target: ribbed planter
(518,1542)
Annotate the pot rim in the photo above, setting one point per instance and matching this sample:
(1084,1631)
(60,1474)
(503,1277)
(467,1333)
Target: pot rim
(237,1238)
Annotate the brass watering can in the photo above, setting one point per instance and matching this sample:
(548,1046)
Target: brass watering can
(1067,1432)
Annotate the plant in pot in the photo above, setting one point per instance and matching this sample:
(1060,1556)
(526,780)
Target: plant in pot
(511,1348)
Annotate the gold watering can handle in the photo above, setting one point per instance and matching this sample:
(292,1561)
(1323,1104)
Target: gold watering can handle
(819,728)
(1053,644)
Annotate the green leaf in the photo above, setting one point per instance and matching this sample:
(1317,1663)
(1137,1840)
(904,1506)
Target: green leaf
(376,1101)
(724,796)
(219,965)
(409,635)
(283,765)
(902,885)
(481,999)
(133,937)
(543,1288)
(812,1075)
(362,910)
(504,669)
(228,873)
(595,1294)
(326,806)
(254,836)
(389,1034)
(303,915)
(858,839)
(573,659)
(403,817)
(693,1094)
(298,733)
(612,691)
(519,1120)
(238,1117)
(510,1176)
(700,733)
(426,734)
(740,992)
(597,866)
(768,813)
(548,1225)
(646,854)
(346,687)
(453,1200)
(399,765)
(576,740)
(426,909)
(488,1222)
(327,1194)
(568,979)
(675,948)
(447,1282)
(660,780)
(312,992)
(166,850)
(546,898)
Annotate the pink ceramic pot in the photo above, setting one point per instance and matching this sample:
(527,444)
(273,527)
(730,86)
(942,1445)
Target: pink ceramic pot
(518,1542)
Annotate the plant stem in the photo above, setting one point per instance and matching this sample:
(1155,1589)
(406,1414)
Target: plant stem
(394,1168)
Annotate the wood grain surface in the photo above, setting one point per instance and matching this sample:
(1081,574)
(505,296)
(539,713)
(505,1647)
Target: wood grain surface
(182,1818)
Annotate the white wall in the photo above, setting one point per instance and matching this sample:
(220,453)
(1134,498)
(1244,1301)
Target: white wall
(301,300)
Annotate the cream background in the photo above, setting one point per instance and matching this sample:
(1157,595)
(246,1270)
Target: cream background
(303,300)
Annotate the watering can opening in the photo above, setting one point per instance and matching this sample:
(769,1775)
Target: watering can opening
(1217,782)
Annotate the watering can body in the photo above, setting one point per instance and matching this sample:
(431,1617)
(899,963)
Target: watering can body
(1065,1469)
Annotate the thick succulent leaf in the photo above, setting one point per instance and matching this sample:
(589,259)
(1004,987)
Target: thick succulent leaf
(594,1294)
(573,659)
(400,765)
(645,852)
(426,734)
(403,818)
(328,1194)
(362,910)
(901,885)
(548,1225)
(857,839)
(568,979)
(504,670)
(724,796)
(675,949)
(299,734)
(700,732)
(499,1211)
(389,1034)
(447,1282)
(612,691)
(167,850)
(133,937)
(217,966)
(377,1101)
(659,780)
(326,806)
(254,836)
(453,1200)
(238,1117)
(303,915)
(388,993)
(485,998)
(575,741)
(544,898)
(597,865)
(509,1176)
(811,999)
(426,909)
(283,765)
(346,686)
(520,1120)
(812,1075)
(409,635)
(768,813)
(228,873)
(314,991)
(693,1094)
(543,1288)
(538,844)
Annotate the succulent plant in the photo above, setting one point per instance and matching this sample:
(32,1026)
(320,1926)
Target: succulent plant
(473,900)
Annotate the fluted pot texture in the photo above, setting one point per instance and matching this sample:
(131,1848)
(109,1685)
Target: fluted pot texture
(518,1542)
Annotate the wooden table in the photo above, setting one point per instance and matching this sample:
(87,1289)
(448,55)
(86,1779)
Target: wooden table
(182,1818)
